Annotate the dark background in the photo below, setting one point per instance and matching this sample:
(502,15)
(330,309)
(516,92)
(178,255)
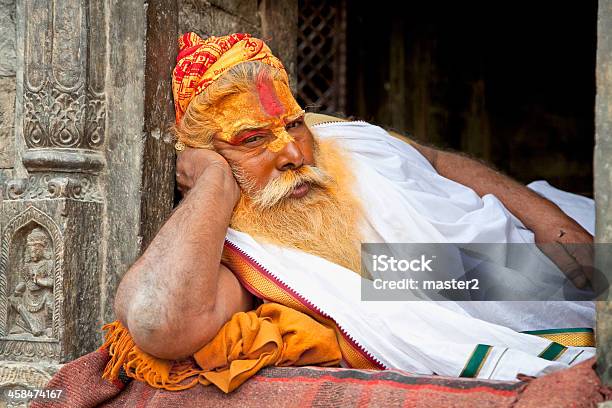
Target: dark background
(512,83)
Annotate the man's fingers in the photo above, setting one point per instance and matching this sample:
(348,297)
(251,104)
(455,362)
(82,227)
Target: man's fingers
(182,183)
(180,180)
(191,163)
(566,262)
(584,255)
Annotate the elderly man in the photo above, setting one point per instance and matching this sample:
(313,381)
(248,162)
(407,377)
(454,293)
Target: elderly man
(275,210)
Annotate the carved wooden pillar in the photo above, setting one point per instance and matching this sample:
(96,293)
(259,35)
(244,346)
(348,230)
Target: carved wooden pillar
(94,176)
(603,185)
(56,202)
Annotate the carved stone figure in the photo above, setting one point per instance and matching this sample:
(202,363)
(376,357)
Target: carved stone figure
(32,300)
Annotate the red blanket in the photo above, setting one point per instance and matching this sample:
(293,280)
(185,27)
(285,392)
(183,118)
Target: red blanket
(303,387)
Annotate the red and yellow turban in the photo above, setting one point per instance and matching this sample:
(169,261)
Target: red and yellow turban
(200,62)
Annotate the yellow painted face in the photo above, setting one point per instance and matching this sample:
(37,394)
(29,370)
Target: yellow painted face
(270,106)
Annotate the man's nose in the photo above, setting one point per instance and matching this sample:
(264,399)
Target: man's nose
(290,157)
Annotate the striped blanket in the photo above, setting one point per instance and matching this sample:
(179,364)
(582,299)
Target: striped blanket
(83,386)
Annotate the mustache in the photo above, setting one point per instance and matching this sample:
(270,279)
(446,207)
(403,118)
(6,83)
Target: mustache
(282,186)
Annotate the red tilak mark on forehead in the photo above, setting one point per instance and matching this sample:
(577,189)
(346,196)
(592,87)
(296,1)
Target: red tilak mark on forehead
(267,96)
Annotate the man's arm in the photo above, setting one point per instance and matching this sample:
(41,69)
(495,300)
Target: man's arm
(549,223)
(177,295)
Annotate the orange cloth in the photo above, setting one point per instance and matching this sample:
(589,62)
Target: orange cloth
(200,62)
(271,335)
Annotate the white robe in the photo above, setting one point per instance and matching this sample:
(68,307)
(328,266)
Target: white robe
(406,200)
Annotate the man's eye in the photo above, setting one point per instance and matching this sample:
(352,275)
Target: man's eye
(252,139)
(294,124)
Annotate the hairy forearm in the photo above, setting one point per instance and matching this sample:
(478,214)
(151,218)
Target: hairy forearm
(524,203)
(551,226)
(176,278)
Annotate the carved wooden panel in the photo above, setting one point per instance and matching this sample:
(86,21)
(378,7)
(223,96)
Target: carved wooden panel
(31,294)
(63,81)
(82,187)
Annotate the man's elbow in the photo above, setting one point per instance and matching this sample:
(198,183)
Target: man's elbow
(160,340)
(167,339)
(160,329)
(163,326)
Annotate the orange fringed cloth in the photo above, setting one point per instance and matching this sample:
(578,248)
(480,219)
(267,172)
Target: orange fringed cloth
(271,335)
(286,331)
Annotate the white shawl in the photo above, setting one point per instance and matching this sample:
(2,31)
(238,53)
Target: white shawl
(406,200)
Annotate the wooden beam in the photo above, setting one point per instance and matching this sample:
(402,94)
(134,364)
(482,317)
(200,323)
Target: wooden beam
(279,21)
(603,185)
(158,151)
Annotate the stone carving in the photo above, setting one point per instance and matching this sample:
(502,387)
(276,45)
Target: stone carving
(31,303)
(95,117)
(83,187)
(24,350)
(61,108)
(15,376)
(31,294)
(15,188)
(53,118)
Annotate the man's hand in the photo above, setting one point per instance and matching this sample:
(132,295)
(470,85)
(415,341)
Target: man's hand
(558,236)
(190,164)
(568,245)
(177,295)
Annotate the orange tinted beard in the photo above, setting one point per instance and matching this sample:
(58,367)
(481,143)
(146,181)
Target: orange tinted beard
(325,222)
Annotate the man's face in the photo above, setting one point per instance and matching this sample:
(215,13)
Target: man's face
(264,138)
